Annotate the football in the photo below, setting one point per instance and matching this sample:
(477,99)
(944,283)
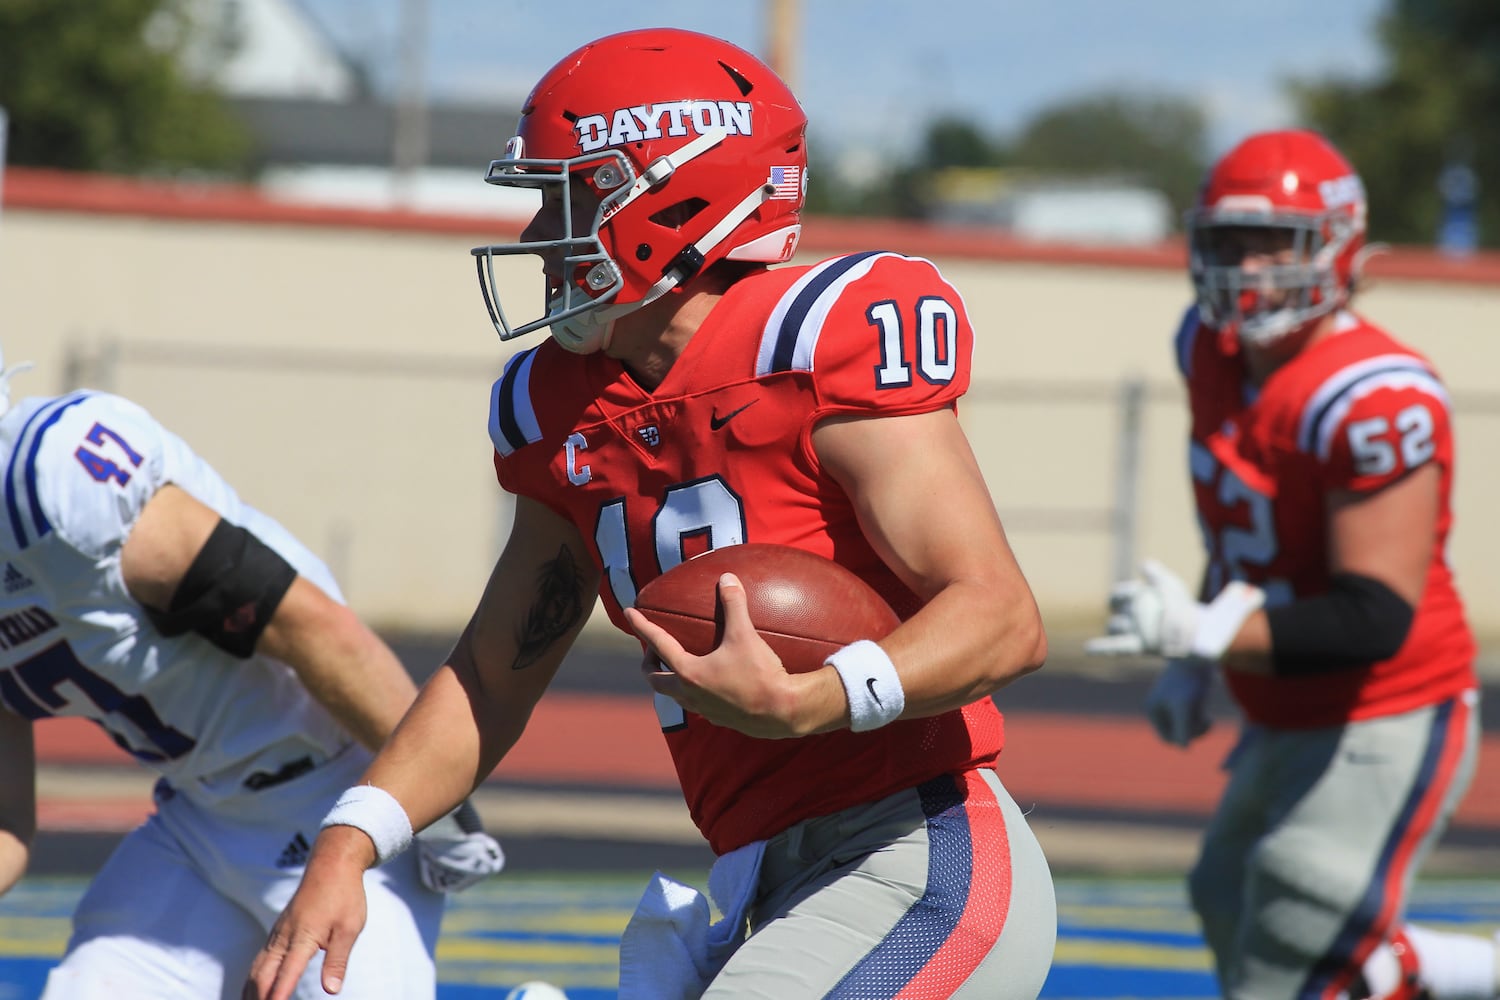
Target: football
(805,606)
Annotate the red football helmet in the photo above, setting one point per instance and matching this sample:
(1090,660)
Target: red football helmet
(684,150)
(1290,191)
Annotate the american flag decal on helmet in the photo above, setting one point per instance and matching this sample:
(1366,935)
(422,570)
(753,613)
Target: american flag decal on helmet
(786,183)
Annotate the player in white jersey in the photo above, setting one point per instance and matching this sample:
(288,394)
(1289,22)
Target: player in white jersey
(139,591)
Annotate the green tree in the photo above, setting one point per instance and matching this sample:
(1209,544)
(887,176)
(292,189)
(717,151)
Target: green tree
(1437,102)
(99,85)
(955,142)
(1156,141)
(1160,141)
(948,143)
(899,189)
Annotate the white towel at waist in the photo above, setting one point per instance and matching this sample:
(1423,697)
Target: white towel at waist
(669,951)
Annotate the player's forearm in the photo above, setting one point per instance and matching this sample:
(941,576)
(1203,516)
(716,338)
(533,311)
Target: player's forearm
(1250,649)
(345,666)
(966,643)
(365,687)
(473,709)
(445,746)
(956,651)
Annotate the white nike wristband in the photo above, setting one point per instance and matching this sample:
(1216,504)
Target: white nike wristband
(378,814)
(871,684)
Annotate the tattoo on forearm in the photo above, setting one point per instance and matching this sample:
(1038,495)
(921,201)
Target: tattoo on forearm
(558,607)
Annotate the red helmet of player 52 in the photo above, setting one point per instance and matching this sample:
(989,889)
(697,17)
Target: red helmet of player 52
(658,152)
(1277,236)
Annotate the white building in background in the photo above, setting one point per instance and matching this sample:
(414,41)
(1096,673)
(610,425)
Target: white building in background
(1100,213)
(1092,211)
(268,48)
(322,136)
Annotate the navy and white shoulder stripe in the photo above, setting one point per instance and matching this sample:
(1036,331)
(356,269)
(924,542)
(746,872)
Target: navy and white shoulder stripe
(513,420)
(1187,336)
(1327,407)
(790,337)
(23,499)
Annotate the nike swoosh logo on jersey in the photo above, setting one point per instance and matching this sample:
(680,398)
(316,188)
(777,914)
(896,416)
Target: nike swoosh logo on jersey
(870,684)
(715,421)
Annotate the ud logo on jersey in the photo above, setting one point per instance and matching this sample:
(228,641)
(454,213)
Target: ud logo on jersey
(652,121)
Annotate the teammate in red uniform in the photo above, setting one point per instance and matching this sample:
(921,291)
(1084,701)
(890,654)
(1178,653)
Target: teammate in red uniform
(691,397)
(1321,456)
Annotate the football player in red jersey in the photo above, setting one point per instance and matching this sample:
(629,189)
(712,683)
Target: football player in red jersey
(1321,457)
(692,397)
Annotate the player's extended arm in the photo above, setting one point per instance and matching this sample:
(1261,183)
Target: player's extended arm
(467,716)
(474,708)
(925,507)
(1379,551)
(1380,546)
(340,661)
(17,797)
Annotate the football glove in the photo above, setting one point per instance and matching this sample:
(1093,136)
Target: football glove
(1178,702)
(455,852)
(1157,615)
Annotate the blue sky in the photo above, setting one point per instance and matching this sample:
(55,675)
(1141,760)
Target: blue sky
(871,73)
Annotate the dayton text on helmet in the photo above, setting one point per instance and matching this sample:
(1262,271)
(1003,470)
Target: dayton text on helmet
(652,121)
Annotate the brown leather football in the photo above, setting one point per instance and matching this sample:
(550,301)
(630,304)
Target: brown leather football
(803,605)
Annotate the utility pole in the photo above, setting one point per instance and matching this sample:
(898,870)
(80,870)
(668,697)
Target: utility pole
(409,132)
(781,39)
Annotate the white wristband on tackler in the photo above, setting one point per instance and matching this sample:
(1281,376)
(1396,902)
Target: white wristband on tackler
(378,814)
(871,684)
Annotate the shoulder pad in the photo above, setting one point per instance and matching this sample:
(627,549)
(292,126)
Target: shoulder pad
(1374,421)
(1330,404)
(84,465)
(513,421)
(1188,331)
(877,329)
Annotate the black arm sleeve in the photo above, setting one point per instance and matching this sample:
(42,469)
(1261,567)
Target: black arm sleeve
(1359,621)
(229,593)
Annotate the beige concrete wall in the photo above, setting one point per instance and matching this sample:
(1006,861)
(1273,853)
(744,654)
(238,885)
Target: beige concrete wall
(384,471)
(339,376)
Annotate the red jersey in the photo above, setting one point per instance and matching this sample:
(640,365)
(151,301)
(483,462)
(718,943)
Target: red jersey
(1354,411)
(721,453)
